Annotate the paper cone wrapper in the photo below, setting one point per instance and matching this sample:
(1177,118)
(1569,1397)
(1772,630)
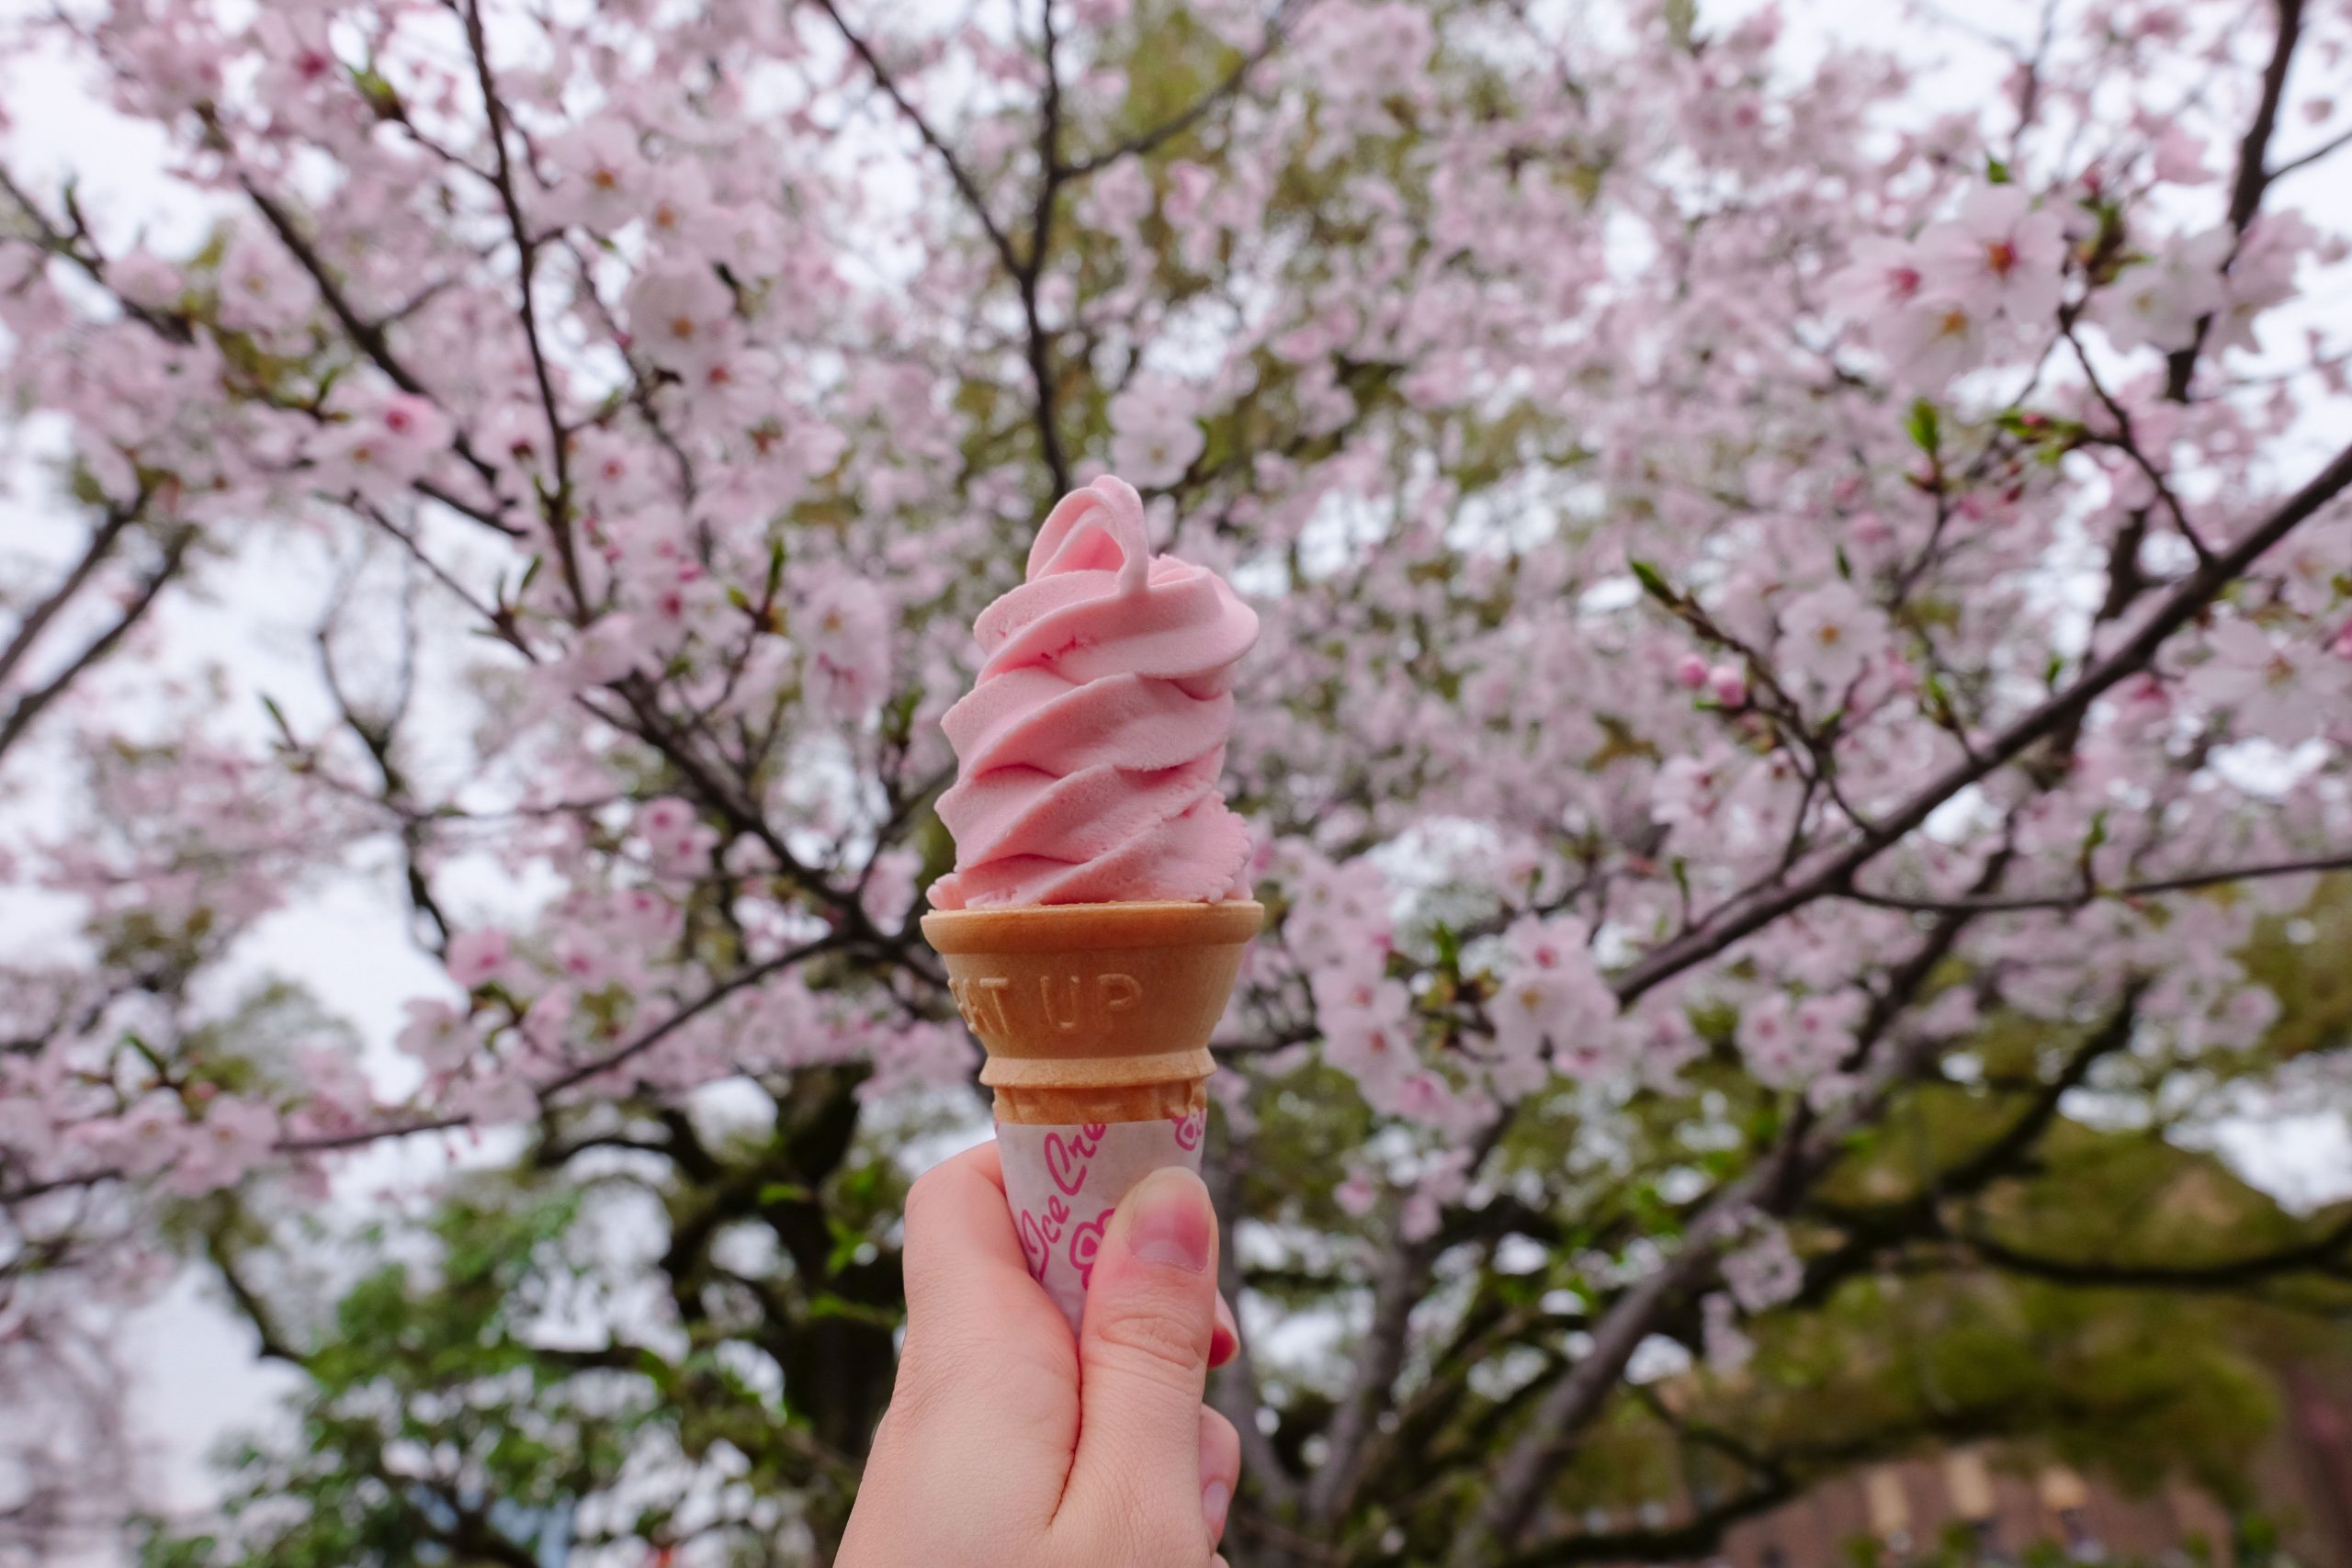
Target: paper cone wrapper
(1096,1019)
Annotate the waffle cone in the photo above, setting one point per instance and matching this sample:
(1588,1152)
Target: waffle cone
(1094,1012)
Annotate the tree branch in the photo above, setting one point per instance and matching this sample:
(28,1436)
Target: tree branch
(2329,1253)
(558,508)
(1873,1229)
(368,336)
(2253,177)
(1772,1186)
(965,186)
(76,247)
(37,619)
(274,1345)
(654,1036)
(1026,276)
(1835,873)
(1404,1275)
(1200,108)
(2335,143)
(2186,882)
(28,707)
(1404,1279)
(1684,1542)
(1234,1391)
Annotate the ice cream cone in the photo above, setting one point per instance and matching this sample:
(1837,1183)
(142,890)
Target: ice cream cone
(1094,1012)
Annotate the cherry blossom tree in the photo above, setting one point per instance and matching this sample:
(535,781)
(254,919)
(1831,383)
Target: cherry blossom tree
(1781,607)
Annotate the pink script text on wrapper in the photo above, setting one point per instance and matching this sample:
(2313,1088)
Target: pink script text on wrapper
(1064,1182)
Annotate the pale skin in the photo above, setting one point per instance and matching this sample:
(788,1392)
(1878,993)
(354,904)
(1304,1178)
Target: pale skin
(1007,1444)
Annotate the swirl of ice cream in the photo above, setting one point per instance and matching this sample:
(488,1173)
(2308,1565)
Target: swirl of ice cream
(1090,745)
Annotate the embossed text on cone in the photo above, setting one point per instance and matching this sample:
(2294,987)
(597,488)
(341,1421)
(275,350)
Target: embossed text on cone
(1094,1012)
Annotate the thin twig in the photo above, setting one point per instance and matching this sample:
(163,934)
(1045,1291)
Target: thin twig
(2335,143)
(30,706)
(2186,882)
(2253,177)
(559,507)
(37,619)
(1148,141)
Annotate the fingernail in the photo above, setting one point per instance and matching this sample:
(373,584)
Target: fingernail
(1173,1222)
(1215,1498)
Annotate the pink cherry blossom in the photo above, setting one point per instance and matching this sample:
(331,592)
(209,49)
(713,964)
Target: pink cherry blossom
(263,288)
(1764,1273)
(476,958)
(1886,274)
(1728,1349)
(1156,435)
(2180,158)
(1787,1042)
(1932,339)
(604,176)
(890,888)
(2157,303)
(1829,635)
(682,316)
(2000,253)
(678,841)
(1549,993)
(382,448)
(235,1137)
(437,1035)
(2261,276)
(847,635)
(145,278)
(2271,689)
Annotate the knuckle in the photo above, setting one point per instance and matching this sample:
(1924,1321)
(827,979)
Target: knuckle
(924,1196)
(1154,1342)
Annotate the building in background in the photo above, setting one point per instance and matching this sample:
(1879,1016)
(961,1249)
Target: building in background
(1913,1508)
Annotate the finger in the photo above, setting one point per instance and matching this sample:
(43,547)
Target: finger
(1220,1471)
(1143,1353)
(1225,1339)
(985,1379)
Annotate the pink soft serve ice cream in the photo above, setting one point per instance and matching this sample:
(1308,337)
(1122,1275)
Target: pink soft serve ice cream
(1090,743)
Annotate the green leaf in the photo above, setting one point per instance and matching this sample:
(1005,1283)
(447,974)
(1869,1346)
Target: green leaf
(1681,22)
(374,86)
(1924,428)
(847,1240)
(1449,947)
(1995,170)
(1654,583)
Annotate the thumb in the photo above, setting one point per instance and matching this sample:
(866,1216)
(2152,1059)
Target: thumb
(1143,1351)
